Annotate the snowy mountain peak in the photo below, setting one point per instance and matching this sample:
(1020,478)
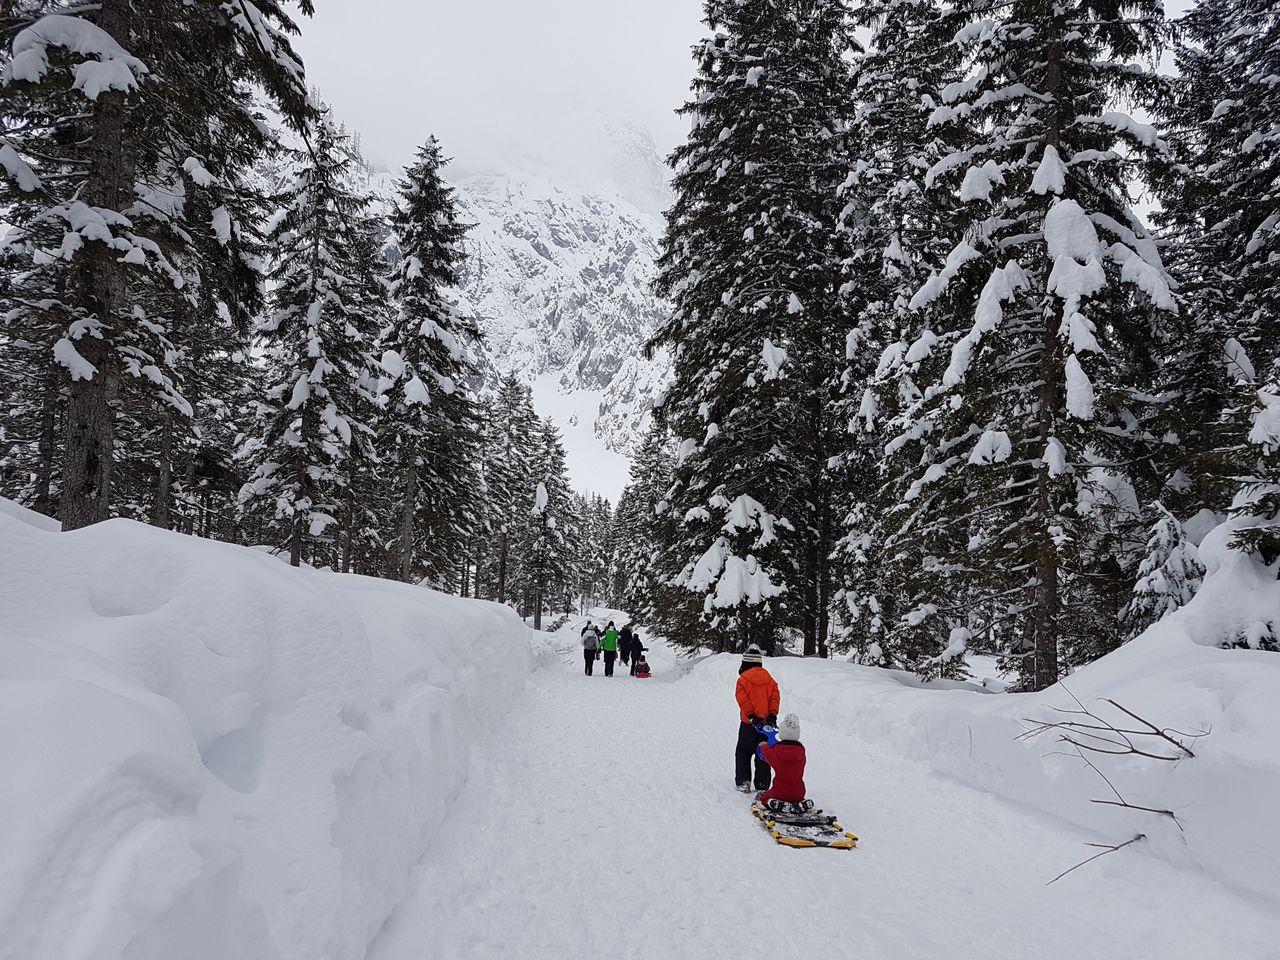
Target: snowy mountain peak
(560,269)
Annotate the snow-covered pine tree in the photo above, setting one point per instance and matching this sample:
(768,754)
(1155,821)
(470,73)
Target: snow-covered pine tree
(1260,499)
(1222,213)
(318,338)
(899,232)
(32,382)
(120,91)
(750,263)
(598,540)
(1168,576)
(513,450)
(365,528)
(1057,293)
(429,425)
(550,539)
(638,582)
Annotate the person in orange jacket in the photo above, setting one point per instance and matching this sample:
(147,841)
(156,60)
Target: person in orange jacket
(758,701)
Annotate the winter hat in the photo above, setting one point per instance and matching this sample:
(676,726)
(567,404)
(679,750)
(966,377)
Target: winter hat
(753,655)
(789,727)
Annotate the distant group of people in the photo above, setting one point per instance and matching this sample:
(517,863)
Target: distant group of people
(613,644)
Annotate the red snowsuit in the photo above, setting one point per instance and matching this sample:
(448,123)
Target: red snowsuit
(787,759)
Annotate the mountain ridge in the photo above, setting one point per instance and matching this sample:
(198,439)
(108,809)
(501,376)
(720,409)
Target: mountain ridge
(559,272)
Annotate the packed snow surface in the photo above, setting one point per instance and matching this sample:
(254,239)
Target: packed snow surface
(605,823)
(209,755)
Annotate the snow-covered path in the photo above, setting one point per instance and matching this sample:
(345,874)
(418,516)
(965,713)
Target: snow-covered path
(604,824)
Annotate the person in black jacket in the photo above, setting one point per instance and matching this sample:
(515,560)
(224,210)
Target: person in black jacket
(637,651)
(624,644)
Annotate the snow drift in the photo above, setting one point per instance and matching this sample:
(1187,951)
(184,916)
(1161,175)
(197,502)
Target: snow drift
(1177,675)
(210,755)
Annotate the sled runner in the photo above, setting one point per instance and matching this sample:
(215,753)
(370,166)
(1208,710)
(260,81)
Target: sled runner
(802,825)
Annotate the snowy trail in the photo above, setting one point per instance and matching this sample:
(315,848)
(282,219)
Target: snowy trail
(605,824)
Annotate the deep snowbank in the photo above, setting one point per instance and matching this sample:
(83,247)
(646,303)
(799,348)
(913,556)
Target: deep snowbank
(1176,675)
(209,755)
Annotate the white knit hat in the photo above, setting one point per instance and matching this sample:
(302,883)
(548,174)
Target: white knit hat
(789,727)
(753,655)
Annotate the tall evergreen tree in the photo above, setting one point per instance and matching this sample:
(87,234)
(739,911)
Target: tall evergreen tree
(750,262)
(1222,210)
(430,428)
(1058,293)
(104,170)
(550,529)
(319,337)
(899,232)
(512,450)
(639,583)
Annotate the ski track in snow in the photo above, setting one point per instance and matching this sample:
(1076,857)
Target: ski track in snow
(605,823)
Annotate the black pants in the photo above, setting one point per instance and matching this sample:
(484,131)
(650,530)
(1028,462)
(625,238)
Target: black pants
(590,657)
(748,740)
(609,657)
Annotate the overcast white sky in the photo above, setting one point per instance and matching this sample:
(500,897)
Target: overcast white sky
(478,73)
(483,75)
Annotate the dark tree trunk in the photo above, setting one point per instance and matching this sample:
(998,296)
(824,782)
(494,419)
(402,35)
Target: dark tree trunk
(407,534)
(537,596)
(310,427)
(502,567)
(161,514)
(824,570)
(1045,616)
(100,278)
(48,444)
(90,445)
(349,539)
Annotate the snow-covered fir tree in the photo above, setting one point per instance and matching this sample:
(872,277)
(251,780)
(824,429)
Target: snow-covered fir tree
(318,338)
(120,95)
(1168,577)
(511,450)
(429,429)
(1057,293)
(751,265)
(32,382)
(597,537)
(899,232)
(1222,213)
(549,536)
(637,578)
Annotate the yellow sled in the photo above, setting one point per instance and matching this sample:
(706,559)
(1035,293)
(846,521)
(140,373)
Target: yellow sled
(808,829)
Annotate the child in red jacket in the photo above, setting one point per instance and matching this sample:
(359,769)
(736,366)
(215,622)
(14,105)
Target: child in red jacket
(785,754)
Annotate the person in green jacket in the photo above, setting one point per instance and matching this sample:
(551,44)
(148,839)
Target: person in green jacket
(609,644)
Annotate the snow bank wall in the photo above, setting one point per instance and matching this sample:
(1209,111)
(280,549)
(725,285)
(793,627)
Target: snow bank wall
(1176,675)
(207,754)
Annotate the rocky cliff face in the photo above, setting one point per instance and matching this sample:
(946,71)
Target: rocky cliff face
(560,266)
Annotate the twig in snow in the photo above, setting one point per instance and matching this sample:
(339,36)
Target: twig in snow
(1106,848)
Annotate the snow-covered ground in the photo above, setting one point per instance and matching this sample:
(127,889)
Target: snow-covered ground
(605,823)
(208,755)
